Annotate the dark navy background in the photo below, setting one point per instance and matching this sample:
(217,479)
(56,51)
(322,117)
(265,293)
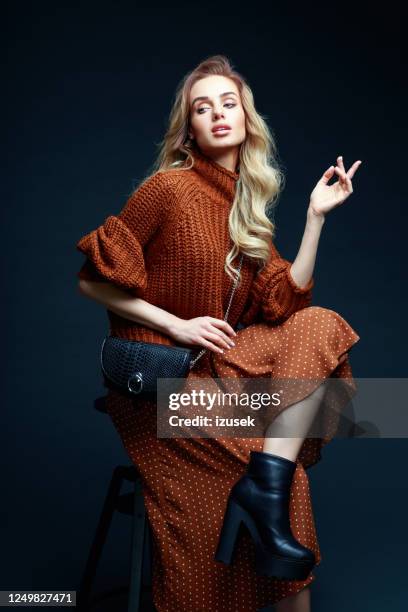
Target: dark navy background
(87,89)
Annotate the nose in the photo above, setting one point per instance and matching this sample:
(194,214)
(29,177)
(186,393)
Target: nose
(218,113)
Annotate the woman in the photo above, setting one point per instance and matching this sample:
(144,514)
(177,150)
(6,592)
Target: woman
(163,268)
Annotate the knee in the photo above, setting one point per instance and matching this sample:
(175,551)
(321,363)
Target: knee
(323,320)
(319,312)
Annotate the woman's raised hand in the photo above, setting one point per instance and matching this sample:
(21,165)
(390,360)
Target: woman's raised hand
(209,332)
(325,197)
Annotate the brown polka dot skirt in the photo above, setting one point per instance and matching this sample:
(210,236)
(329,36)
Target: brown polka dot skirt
(186,481)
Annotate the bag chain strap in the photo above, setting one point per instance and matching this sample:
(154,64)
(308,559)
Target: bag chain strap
(201,353)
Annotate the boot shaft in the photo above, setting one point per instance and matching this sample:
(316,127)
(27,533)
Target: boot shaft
(264,489)
(271,471)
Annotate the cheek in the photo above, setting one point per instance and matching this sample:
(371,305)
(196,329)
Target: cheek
(199,125)
(241,120)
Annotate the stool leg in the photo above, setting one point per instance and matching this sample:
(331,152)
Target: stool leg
(147,568)
(99,539)
(136,556)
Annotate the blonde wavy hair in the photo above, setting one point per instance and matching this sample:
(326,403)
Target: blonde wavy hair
(260,178)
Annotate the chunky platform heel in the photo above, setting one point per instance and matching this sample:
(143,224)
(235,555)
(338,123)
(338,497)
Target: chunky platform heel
(234,517)
(260,502)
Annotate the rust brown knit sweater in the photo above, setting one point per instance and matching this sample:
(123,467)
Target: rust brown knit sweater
(168,246)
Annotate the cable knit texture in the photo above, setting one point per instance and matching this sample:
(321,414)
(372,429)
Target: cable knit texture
(168,246)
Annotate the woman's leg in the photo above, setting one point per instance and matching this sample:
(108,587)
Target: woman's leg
(300,602)
(296,419)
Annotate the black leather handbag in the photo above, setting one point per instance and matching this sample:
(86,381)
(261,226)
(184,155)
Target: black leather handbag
(133,367)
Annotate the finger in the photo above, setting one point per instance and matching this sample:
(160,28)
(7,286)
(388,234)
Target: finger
(342,177)
(219,340)
(327,175)
(209,345)
(354,168)
(340,163)
(221,334)
(224,325)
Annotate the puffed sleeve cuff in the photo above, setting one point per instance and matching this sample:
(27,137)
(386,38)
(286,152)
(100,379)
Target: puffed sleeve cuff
(88,272)
(275,293)
(115,255)
(301,290)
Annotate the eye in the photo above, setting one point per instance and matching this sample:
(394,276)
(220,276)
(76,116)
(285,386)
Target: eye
(229,104)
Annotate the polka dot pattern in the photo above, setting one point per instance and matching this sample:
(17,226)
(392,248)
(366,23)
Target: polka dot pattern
(186,481)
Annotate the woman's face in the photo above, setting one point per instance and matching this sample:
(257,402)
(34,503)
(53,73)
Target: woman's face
(221,106)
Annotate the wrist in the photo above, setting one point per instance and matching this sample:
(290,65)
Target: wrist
(170,324)
(314,218)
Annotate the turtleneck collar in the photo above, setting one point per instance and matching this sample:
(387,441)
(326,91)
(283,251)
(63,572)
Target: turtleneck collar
(222,180)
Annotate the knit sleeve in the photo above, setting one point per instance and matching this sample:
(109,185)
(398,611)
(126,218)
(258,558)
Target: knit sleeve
(114,250)
(274,296)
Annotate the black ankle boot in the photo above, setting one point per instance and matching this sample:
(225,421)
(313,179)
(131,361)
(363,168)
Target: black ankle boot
(260,500)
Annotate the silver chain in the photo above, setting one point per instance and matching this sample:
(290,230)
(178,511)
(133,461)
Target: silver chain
(201,353)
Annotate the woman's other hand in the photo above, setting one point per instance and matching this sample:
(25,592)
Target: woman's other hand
(325,197)
(209,332)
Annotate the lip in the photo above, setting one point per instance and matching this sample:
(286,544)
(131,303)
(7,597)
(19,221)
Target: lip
(220,125)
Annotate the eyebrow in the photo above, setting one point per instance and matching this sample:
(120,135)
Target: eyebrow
(226,93)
